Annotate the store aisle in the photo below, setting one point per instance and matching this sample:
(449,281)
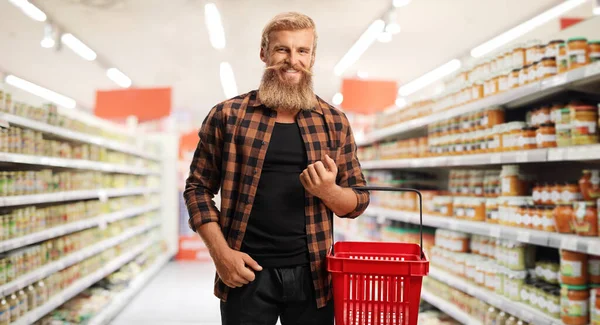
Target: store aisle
(181,294)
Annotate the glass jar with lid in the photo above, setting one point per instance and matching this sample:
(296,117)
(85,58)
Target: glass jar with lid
(577,51)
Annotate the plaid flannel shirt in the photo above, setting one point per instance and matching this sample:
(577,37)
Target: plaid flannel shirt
(233,143)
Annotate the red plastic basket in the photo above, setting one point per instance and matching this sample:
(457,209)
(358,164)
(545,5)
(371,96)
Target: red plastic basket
(377,283)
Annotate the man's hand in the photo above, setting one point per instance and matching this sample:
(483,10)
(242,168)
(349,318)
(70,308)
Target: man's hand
(232,269)
(319,178)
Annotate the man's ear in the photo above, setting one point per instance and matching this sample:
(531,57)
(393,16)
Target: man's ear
(263,55)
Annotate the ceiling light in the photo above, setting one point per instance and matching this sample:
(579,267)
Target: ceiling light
(361,45)
(47,43)
(338,98)
(41,91)
(524,28)
(429,78)
(214,25)
(596,10)
(228,80)
(118,77)
(384,37)
(50,36)
(30,10)
(393,28)
(401,3)
(400,102)
(362,74)
(78,47)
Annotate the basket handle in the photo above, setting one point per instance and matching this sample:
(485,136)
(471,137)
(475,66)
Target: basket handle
(395,189)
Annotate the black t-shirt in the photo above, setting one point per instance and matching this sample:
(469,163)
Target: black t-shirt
(276,231)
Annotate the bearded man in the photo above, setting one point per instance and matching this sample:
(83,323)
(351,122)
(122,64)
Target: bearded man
(284,161)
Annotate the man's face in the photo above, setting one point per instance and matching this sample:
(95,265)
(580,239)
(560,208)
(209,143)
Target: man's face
(292,47)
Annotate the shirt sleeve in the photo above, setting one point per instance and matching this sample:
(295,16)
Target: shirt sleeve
(203,181)
(350,172)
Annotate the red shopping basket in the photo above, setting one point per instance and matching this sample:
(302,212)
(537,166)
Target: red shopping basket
(378,283)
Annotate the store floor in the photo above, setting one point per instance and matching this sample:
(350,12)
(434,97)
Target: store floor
(181,294)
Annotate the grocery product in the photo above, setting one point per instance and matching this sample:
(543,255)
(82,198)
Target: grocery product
(577,50)
(573,268)
(589,185)
(585,218)
(575,305)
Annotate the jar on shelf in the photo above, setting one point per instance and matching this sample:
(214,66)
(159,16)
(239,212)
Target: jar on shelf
(513,182)
(527,138)
(518,56)
(573,268)
(585,218)
(594,51)
(577,50)
(524,75)
(552,48)
(584,121)
(563,128)
(546,191)
(563,216)
(533,74)
(562,59)
(513,78)
(589,184)
(536,194)
(503,81)
(545,136)
(569,193)
(575,301)
(537,217)
(548,221)
(594,269)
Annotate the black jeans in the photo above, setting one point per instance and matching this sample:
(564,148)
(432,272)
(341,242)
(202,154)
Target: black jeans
(276,292)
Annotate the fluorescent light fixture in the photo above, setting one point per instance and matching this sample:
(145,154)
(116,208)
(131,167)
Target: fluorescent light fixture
(393,28)
(47,43)
(400,102)
(384,37)
(30,10)
(430,77)
(361,45)
(118,77)
(228,80)
(524,28)
(40,91)
(401,3)
(596,10)
(78,47)
(338,98)
(214,25)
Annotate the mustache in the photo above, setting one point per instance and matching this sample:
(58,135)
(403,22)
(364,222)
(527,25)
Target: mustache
(286,66)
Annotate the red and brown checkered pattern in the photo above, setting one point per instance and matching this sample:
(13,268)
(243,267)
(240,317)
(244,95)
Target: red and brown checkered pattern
(233,143)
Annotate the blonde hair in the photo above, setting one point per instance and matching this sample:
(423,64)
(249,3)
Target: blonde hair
(288,21)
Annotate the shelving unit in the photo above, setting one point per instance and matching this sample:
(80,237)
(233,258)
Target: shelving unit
(72,259)
(75,136)
(579,153)
(541,238)
(73,163)
(86,282)
(123,298)
(449,308)
(101,194)
(74,227)
(517,309)
(511,98)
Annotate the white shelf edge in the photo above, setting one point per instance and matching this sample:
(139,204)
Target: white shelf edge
(529,236)
(72,163)
(448,308)
(73,195)
(513,95)
(72,259)
(4,123)
(118,303)
(76,136)
(80,285)
(516,309)
(15,243)
(576,153)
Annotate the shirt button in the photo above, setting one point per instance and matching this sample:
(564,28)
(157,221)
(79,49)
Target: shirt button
(256,171)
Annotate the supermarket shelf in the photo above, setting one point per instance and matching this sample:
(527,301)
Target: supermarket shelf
(73,163)
(541,238)
(72,259)
(118,303)
(4,124)
(82,284)
(514,97)
(75,136)
(579,153)
(517,309)
(449,308)
(102,194)
(11,244)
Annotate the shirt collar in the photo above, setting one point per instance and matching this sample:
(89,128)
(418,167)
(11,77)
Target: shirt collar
(254,101)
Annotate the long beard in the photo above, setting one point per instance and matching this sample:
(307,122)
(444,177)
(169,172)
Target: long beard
(284,96)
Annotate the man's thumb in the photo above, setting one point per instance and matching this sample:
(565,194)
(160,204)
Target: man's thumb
(251,263)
